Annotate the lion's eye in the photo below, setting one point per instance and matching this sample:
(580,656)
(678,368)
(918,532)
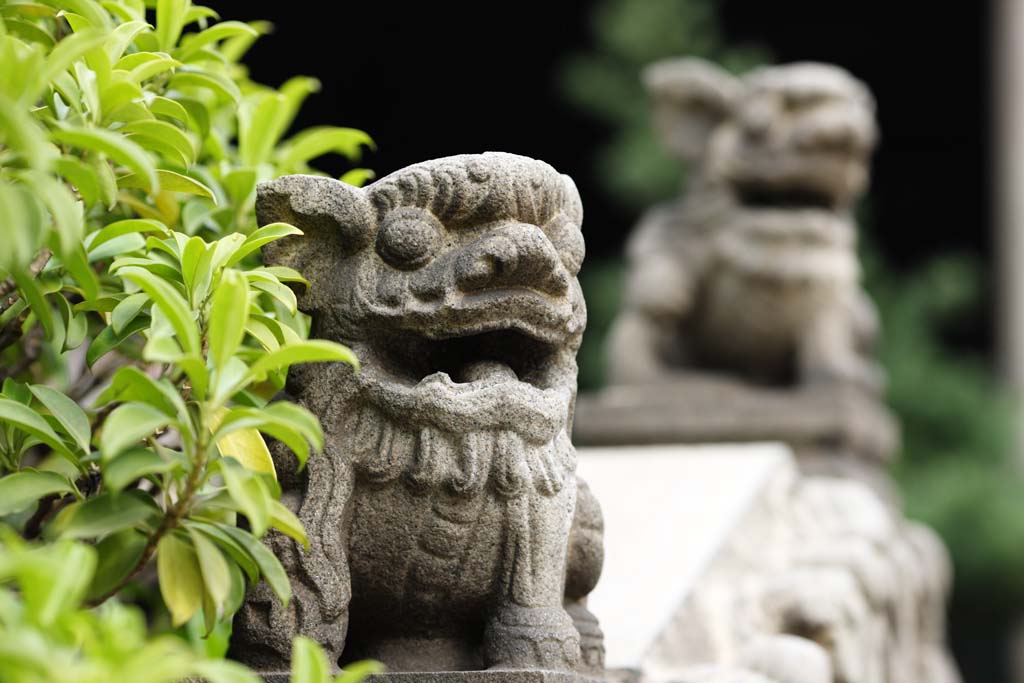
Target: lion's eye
(408,238)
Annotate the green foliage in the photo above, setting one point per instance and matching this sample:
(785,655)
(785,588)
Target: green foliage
(46,635)
(956,466)
(140,337)
(628,35)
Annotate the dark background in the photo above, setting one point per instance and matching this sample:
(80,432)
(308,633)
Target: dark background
(434,79)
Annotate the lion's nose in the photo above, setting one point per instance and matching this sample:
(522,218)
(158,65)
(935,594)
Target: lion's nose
(516,255)
(836,128)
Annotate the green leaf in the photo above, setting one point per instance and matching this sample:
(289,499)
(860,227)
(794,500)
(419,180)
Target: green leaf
(121,37)
(28,420)
(25,487)
(168,108)
(259,127)
(30,290)
(218,32)
(249,492)
(150,131)
(76,325)
(82,176)
(315,142)
(127,310)
(92,13)
(198,12)
(260,237)
(116,146)
(170,303)
(358,176)
(224,671)
(270,566)
(309,663)
(170,19)
(77,264)
(64,589)
(244,445)
(24,223)
(191,256)
(131,465)
(285,521)
(154,264)
(68,50)
(105,177)
(132,384)
(108,340)
(229,311)
(63,207)
(169,182)
(229,545)
(214,568)
(67,412)
(225,87)
(127,425)
(142,66)
(308,351)
(298,418)
(356,672)
(119,553)
(23,134)
(104,514)
(269,284)
(117,97)
(243,419)
(181,580)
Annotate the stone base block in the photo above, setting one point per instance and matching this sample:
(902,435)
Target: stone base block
(490,676)
(833,429)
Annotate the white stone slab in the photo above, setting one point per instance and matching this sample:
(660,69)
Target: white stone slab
(670,512)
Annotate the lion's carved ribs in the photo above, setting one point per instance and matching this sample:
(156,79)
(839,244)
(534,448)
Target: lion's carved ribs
(445,527)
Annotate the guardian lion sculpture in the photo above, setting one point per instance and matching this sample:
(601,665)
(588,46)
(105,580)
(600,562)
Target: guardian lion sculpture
(448,529)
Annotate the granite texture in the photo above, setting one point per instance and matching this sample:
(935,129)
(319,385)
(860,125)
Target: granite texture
(448,529)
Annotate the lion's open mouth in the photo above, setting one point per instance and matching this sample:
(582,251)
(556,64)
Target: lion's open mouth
(823,181)
(503,355)
(761,196)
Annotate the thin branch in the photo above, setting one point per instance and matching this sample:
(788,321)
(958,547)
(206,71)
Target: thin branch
(13,330)
(34,525)
(169,523)
(7,286)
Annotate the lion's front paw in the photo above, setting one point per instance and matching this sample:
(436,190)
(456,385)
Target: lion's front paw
(531,638)
(855,371)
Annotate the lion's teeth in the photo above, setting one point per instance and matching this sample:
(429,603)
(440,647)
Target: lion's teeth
(437,377)
(486,370)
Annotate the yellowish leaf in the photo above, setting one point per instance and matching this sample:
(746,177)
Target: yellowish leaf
(244,445)
(181,581)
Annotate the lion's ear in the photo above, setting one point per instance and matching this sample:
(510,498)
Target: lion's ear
(690,98)
(336,220)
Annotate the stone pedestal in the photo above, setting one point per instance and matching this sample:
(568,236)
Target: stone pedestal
(494,676)
(833,429)
(676,518)
(724,564)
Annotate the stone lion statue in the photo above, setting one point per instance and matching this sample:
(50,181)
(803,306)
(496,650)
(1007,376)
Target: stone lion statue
(753,271)
(448,529)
